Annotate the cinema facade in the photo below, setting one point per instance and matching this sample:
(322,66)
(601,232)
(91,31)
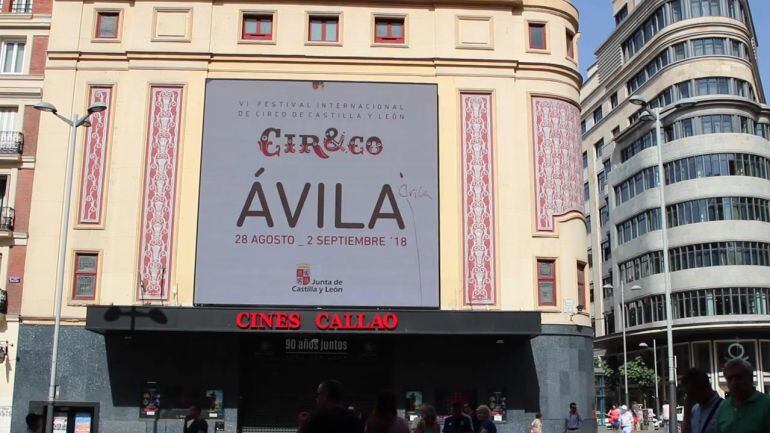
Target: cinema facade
(283,193)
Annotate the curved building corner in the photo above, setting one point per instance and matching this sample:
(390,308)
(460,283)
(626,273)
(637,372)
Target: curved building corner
(697,61)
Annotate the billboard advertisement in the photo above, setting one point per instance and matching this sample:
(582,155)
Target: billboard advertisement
(318,194)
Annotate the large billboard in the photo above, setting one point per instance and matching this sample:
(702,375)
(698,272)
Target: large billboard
(318,194)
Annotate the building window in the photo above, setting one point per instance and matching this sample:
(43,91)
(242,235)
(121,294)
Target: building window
(257,27)
(546,282)
(642,266)
(21,6)
(621,15)
(733,253)
(606,251)
(84,285)
(586,194)
(718,209)
(604,215)
(705,8)
(598,115)
(537,38)
(585,159)
(570,44)
(12,57)
(638,225)
(583,126)
(615,131)
(634,185)
(601,179)
(389,30)
(323,28)
(107,24)
(599,148)
(717,164)
(614,100)
(581,283)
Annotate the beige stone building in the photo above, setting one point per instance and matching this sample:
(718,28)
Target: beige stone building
(182,287)
(696,61)
(24,27)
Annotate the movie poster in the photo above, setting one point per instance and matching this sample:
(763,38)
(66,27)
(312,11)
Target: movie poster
(214,399)
(150,404)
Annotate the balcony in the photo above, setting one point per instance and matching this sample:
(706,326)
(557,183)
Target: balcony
(11,144)
(6,219)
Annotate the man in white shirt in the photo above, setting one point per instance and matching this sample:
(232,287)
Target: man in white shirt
(626,419)
(665,413)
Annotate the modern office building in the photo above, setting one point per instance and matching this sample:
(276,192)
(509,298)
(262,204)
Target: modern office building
(695,59)
(280,193)
(24,28)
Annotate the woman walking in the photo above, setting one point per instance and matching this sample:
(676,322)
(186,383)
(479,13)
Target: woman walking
(537,424)
(429,421)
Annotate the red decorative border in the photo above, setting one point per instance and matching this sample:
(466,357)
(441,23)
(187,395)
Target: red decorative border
(558,164)
(163,126)
(478,199)
(95,158)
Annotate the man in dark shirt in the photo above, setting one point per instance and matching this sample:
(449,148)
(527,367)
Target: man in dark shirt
(193,423)
(458,422)
(330,416)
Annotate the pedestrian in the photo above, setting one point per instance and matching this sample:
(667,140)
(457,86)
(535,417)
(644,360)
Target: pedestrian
(429,421)
(194,422)
(666,412)
(470,413)
(702,403)
(626,419)
(486,425)
(614,416)
(746,410)
(33,421)
(637,413)
(458,422)
(329,416)
(573,420)
(537,424)
(384,417)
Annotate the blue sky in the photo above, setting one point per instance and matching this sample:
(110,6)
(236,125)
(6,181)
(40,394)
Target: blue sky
(596,24)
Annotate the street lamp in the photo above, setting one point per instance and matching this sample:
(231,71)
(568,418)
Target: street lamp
(74,123)
(657,114)
(655,363)
(623,327)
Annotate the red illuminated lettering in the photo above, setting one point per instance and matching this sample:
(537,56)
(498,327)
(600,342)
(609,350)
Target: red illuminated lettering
(295,321)
(391,321)
(322,321)
(240,322)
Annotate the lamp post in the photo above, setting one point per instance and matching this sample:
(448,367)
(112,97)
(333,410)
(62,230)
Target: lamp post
(655,364)
(74,122)
(623,327)
(657,114)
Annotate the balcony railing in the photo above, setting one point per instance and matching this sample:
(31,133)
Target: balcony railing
(11,143)
(21,6)
(6,218)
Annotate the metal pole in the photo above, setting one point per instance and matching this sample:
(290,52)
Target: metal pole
(672,426)
(655,362)
(60,277)
(625,351)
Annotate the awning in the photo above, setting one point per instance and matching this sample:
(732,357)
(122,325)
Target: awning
(105,319)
